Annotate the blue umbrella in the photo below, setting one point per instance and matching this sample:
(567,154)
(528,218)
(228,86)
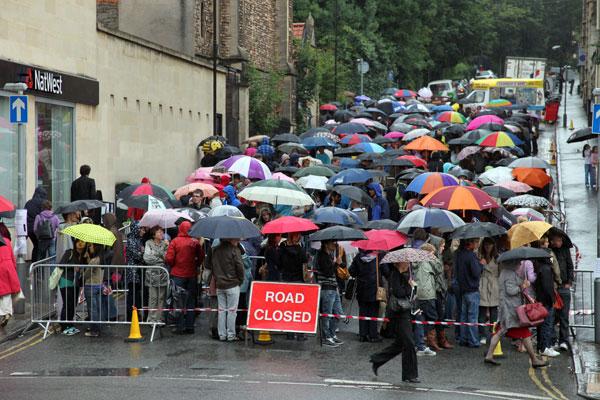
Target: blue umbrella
(362,138)
(446,220)
(316,141)
(370,147)
(334,215)
(442,107)
(350,176)
(349,162)
(362,97)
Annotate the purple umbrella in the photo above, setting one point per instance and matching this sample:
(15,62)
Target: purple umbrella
(247,166)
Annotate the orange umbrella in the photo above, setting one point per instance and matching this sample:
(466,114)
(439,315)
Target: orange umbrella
(459,198)
(532,176)
(426,143)
(207,189)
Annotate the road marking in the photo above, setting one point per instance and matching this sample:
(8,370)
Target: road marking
(22,343)
(540,385)
(525,396)
(21,347)
(552,386)
(348,382)
(475,393)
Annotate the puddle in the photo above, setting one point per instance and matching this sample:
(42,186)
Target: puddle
(87,372)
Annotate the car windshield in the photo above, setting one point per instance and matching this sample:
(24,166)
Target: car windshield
(439,87)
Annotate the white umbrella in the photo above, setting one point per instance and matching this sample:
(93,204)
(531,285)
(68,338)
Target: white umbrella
(496,175)
(163,218)
(225,210)
(425,93)
(415,133)
(313,182)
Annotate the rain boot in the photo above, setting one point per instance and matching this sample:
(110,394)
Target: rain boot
(431,342)
(442,341)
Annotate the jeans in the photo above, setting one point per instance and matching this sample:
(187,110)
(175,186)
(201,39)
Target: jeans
(485,331)
(450,306)
(109,308)
(46,248)
(545,330)
(590,176)
(228,299)
(470,312)
(562,316)
(187,319)
(430,313)
(330,304)
(93,298)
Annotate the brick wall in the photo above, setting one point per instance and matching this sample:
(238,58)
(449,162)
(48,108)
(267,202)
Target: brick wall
(203,27)
(258,31)
(107,13)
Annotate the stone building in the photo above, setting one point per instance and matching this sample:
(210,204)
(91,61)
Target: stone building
(589,56)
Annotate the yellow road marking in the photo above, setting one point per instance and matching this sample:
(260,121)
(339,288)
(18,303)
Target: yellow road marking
(549,382)
(540,385)
(24,347)
(22,343)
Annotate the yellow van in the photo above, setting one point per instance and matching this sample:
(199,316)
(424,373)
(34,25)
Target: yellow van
(522,93)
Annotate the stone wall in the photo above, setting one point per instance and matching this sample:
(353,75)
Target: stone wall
(107,13)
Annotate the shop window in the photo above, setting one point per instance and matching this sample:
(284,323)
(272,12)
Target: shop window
(54,155)
(8,153)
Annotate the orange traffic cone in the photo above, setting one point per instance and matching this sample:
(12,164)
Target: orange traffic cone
(553,161)
(571,127)
(498,349)
(134,332)
(264,337)
(552,145)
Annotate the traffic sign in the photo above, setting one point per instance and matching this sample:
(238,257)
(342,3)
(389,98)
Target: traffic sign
(363,67)
(283,307)
(596,119)
(18,109)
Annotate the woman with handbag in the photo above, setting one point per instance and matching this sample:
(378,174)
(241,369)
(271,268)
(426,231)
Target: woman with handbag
(512,287)
(400,288)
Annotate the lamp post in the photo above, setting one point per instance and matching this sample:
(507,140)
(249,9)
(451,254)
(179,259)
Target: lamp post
(565,70)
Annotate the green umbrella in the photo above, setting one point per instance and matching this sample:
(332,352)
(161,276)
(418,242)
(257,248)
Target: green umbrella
(275,191)
(289,147)
(90,233)
(316,170)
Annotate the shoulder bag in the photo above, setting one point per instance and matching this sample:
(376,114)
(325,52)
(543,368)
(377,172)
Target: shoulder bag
(399,304)
(381,293)
(531,313)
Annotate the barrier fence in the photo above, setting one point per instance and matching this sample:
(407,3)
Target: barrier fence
(582,300)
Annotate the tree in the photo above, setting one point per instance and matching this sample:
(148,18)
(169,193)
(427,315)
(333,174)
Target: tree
(265,97)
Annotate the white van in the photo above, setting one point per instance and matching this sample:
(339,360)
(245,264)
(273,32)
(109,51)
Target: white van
(443,88)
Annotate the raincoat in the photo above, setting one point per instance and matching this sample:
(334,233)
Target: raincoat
(380,208)
(232,200)
(184,254)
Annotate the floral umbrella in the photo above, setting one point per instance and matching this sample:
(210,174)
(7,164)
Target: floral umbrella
(528,200)
(408,255)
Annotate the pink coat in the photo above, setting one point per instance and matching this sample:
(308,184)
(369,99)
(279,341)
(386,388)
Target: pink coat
(9,281)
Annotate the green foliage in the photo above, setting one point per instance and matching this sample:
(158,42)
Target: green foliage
(265,97)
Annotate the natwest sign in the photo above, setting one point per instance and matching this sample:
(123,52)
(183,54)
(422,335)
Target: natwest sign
(283,307)
(44,81)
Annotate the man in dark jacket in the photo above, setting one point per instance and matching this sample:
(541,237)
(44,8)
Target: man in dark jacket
(34,207)
(84,187)
(380,208)
(544,293)
(565,264)
(468,270)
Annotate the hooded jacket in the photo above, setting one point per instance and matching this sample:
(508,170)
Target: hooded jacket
(134,254)
(34,207)
(47,215)
(184,254)
(118,252)
(380,208)
(9,281)
(265,148)
(232,200)
(364,269)
(225,260)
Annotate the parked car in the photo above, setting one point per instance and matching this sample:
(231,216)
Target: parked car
(443,88)
(486,74)
(461,87)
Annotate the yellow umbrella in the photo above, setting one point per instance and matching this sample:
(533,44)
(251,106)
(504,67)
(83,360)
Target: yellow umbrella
(527,232)
(90,233)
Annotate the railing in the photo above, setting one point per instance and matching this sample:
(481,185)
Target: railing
(582,300)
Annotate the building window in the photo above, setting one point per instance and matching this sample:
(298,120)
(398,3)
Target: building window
(8,153)
(54,155)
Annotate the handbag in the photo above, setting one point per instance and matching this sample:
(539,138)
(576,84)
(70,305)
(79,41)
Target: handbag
(305,273)
(399,304)
(381,294)
(54,278)
(531,314)
(343,273)
(558,303)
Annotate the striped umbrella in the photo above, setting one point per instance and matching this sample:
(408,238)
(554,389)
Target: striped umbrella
(497,139)
(459,198)
(405,93)
(146,188)
(445,220)
(355,139)
(451,116)
(247,166)
(428,182)
(499,103)
(419,162)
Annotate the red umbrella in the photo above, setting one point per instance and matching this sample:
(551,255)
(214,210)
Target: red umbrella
(289,224)
(6,205)
(459,198)
(419,162)
(381,239)
(328,107)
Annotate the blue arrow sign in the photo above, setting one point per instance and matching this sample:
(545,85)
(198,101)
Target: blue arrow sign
(18,109)
(596,119)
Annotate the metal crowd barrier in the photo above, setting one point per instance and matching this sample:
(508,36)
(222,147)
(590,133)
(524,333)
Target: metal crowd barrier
(109,302)
(582,300)
(556,218)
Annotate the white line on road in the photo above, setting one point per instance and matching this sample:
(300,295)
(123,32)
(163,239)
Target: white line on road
(344,381)
(525,396)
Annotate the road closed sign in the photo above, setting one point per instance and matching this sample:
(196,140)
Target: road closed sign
(283,307)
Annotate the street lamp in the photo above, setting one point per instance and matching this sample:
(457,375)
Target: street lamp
(565,70)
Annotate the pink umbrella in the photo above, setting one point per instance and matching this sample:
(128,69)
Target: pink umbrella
(201,174)
(484,119)
(208,190)
(515,186)
(394,135)
(364,121)
(467,151)
(282,177)
(512,128)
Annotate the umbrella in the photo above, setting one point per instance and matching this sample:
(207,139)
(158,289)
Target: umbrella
(381,239)
(224,227)
(317,141)
(423,217)
(247,166)
(477,122)
(343,115)
(416,133)
(208,190)
(163,218)
(463,140)
(517,187)
(396,162)
(370,147)
(459,198)
(191,213)
(499,139)
(458,172)
(145,188)
(404,93)
(477,134)
(288,169)
(375,110)
(493,126)
(581,135)
(349,176)
(201,174)
(288,224)
(400,126)
(528,200)
(466,152)
(478,230)
(78,205)
(530,213)
(378,173)
(225,210)
(291,146)
(419,162)
(334,215)
(255,138)
(348,151)
(498,192)
(425,92)
(349,163)
(354,193)
(408,255)
(369,123)
(146,202)
(349,128)
(451,116)
(276,192)
(394,153)
(529,162)
(532,176)
(313,182)
(211,146)
(381,224)
(418,122)
(338,233)
(428,182)
(316,170)
(566,240)
(328,107)
(355,138)
(370,156)
(90,233)
(425,143)
(219,138)
(394,135)
(527,232)
(499,103)
(457,129)
(504,217)
(523,253)
(227,151)
(442,108)
(389,91)
(496,175)
(417,109)
(362,97)
(311,132)
(384,140)
(282,177)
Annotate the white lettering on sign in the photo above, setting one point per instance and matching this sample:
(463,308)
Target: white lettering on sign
(46,82)
(281,297)
(285,316)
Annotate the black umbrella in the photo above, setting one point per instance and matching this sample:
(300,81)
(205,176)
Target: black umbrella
(477,229)
(492,126)
(409,176)
(335,168)
(353,193)
(338,233)
(224,227)
(387,107)
(505,162)
(477,134)
(566,239)
(394,153)
(79,205)
(311,132)
(381,224)
(286,138)
(504,216)
(377,173)
(288,169)
(499,192)
(375,110)
(461,172)
(418,122)
(363,114)
(384,140)
(349,128)
(395,162)
(370,156)
(343,115)
(517,119)
(455,129)
(348,151)
(522,253)
(443,125)
(581,135)
(490,111)
(389,91)
(463,140)
(227,151)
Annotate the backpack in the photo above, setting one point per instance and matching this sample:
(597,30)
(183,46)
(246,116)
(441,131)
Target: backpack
(44,230)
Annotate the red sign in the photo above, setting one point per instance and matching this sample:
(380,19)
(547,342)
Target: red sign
(284,307)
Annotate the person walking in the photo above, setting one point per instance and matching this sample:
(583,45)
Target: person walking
(45,226)
(401,286)
(155,252)
(488,287)
(9,281)
(326,268)
(34,208)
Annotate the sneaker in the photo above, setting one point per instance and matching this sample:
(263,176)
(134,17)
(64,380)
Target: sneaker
(426,352)
(564,346)
(338,341)
(75,330)
(67,332)
(550,353)
(483,341)
(329,342)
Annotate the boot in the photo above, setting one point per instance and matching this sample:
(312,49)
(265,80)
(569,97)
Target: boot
(431,342)
(442,341)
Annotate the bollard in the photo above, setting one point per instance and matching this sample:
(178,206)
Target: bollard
(19,308)
(597,310)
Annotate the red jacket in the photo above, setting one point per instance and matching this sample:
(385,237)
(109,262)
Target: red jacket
(9,281)
(184,254)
